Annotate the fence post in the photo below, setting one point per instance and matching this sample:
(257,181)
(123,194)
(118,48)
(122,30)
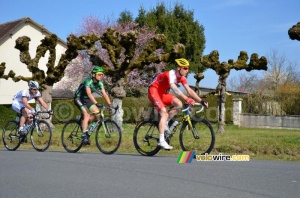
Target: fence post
(237,110)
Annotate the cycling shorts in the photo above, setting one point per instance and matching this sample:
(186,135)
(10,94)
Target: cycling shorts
(83,103)
(17,106)
(159,99)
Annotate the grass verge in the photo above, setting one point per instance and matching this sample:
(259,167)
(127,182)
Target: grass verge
(262,144)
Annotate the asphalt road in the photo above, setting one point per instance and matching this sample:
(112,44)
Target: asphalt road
(60,174)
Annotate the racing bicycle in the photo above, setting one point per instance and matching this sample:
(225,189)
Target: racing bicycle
(108,133)
(39,130)
(196,133)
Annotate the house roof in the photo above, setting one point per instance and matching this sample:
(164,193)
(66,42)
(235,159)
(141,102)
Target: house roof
(7,28)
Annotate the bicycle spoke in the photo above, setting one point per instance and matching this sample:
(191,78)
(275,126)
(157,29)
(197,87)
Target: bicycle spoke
(108,137)
(41,136)
(199,138)
(71,136)
(145,138)
(10,136)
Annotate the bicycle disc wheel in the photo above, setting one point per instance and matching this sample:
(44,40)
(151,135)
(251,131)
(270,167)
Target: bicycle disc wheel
(108,137)
(200,139)
(146,137)
(41,135)
(10,136)
(71,136)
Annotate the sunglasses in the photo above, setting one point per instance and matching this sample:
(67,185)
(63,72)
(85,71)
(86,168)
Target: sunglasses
(99,74)
(185,68)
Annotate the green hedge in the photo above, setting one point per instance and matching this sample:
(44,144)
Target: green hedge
(6,114)
(134,109)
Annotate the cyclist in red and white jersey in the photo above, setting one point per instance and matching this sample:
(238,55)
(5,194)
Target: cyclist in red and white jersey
(160,97)
(20,103)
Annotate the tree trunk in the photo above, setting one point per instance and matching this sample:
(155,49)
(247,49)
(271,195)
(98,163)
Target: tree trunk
(221,104)
(118,117)
(47,97)
(118,93)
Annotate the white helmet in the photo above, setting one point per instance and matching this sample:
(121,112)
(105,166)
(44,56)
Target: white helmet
(33,84)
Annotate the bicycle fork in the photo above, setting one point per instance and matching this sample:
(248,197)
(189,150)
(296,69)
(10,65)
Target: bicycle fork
(194,130)
(38,130)
(106,130)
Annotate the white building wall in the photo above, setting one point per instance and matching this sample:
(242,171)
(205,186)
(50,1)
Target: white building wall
(10,55)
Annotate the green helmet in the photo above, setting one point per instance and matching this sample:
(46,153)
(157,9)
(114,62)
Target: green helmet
(97,69)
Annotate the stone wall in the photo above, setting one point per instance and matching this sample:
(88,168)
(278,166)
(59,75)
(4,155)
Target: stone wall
(262,121)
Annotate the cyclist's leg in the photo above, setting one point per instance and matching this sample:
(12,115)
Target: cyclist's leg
(156,99)
(160,106)
(19,108)
(177,104)
(81,104)
(94,110)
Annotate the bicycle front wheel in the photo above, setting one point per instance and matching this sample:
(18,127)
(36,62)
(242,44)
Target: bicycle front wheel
(10,136)
(108,137)
(146,137)
(41,135)
(71,136)
(199,138)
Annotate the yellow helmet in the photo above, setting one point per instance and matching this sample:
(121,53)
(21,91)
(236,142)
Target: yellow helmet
(181,62)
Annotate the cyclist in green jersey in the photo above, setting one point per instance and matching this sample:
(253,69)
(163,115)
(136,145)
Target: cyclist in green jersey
(86,102)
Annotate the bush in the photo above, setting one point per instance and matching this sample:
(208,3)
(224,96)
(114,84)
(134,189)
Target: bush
(134,109)
(212,112)
(6,114)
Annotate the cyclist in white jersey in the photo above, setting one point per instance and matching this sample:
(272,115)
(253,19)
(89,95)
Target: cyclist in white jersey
(20,103)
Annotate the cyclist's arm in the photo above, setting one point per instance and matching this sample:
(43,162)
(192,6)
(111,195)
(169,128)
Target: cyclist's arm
(90,95)
(26,104)
(192,93)
(177,91)
(43,103)
(106,97)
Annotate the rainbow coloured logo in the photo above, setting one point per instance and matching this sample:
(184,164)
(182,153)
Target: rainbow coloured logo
(186,156)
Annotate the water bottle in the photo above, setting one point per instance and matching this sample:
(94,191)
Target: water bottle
(27,127)
(17,119)
(92,127)
(173,125)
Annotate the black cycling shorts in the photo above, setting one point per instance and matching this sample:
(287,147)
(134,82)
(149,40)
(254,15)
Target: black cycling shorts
(83,103)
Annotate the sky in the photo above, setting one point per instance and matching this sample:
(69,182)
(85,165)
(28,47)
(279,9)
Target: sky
(231,26)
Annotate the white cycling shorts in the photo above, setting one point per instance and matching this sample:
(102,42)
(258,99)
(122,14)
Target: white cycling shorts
(17,106)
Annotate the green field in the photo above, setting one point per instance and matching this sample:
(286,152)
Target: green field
(263,144)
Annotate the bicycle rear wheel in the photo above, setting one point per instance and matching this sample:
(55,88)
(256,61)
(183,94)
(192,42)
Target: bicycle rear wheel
(108,137)
(200,138)
(10,136)
(41,135)
(71,136)
(146,137)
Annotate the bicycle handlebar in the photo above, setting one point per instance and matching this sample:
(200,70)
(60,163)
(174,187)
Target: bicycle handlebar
(48,112)
(103,107)
(196,104)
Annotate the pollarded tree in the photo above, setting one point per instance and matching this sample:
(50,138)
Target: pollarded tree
(136,80)
(54,72)
(294,32)
(132,55)
(126,55)
(223,70)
